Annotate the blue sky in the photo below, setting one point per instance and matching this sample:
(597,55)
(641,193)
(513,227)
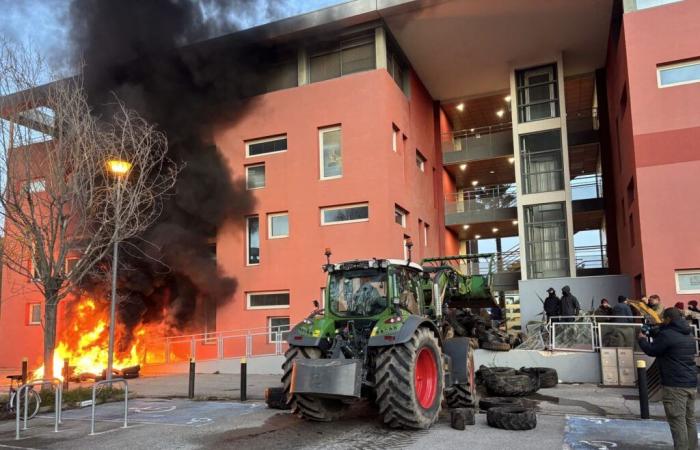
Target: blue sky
(43,23)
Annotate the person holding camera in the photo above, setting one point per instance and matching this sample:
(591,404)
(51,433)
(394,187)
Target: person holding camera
(674,349)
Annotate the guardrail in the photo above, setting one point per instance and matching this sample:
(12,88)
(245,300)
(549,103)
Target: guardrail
(94,398)
(462,140)
(482,198)
(587,187)
(57,402)
(216,346)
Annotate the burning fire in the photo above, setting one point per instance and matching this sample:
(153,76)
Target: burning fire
(84,342)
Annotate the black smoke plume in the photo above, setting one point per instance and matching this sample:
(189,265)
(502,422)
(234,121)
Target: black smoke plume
(155,56)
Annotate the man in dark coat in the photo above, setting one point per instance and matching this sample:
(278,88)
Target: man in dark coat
(552,306)
(603,310)
(622,309)
(569,303)
(674,349)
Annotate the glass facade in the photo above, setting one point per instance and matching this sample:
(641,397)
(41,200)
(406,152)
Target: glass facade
(537,93)
(541,162)
(546,241)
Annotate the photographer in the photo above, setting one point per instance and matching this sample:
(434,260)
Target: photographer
(674,349)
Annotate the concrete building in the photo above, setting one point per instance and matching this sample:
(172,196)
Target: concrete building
(516,128)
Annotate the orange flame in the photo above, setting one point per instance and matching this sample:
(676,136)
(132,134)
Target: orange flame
(85,338)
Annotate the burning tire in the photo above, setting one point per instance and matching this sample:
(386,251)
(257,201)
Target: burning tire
(307,406)
(410,381)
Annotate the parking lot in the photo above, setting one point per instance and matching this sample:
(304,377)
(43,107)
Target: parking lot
(569,416)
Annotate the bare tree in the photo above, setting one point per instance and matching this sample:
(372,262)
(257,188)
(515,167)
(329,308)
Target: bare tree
(64,204)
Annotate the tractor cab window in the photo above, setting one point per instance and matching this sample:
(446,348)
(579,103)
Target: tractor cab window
(359,292)
(407,287)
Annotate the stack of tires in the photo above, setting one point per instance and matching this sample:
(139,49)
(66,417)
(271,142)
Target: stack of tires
(504,384)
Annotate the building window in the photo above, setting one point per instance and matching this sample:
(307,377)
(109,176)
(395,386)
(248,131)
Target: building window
(255,176)
(644,4)
(677,74)
(252,240)
(342,58)
(37,185)
(400,215)
(278,225)
(331,153)
(630,191)
(406,239)
(537,93)
(394,138)
(688,281)
(34,314)
(266,146)
(70,263)
(420,161)
(278,328)
(426,231)
(268,300)
(397,69)
(541,162)
(546,241)
(345,214)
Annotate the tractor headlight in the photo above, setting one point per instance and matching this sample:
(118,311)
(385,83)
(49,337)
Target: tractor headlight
(393,319)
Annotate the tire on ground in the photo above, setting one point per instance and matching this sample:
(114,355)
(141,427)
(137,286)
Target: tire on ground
(496,402)
(495,346)
(512,418)
(398,397)
(483,372)
(546,377)
(459,396)
(307,406)
(510,385)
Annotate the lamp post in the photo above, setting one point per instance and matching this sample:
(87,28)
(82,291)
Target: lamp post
(119,169)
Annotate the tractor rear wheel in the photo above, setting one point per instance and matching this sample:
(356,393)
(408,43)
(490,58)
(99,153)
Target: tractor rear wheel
(307,406)
(410,381)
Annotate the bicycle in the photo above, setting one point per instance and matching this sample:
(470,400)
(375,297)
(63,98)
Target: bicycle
(33,397)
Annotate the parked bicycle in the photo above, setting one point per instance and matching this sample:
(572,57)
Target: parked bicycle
(28,394)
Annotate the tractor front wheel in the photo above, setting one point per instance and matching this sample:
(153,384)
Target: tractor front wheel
(410,381)
(308,406)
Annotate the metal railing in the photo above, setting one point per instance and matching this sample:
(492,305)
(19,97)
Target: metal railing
(586,187)
(482,198)
(58,401)
(464,140)
(94,399)
(591,257)
(220,345)
(582,120)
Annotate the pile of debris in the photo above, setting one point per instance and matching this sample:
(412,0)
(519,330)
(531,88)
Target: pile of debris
(464,323)
(126,372)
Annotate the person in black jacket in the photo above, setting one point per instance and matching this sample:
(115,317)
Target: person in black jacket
(552,305)
(622,309)
(674,349)
(569,304)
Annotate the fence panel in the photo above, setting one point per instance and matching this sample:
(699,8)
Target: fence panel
(573,336)
(233,347)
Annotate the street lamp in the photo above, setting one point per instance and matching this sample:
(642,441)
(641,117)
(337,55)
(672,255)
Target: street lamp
(120,170)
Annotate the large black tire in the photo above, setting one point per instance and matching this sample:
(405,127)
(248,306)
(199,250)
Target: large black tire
(459,396)
(495,346)
(512,418)
(405,400)
(484,371)
(307,406)
(546,377)
(510,385)
(498,402)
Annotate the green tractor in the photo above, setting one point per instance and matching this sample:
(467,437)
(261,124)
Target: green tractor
(383,337)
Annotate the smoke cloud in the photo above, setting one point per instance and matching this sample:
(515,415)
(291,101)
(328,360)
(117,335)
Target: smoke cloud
(151,55)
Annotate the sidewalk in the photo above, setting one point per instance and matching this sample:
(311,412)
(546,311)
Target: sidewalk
(206,386)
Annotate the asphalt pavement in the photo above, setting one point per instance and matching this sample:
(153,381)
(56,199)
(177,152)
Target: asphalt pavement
(570,416)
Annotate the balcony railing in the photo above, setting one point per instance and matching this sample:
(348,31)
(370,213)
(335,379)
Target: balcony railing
(591,257)
(587,187)
(475,140)
(582,126)
(482,198)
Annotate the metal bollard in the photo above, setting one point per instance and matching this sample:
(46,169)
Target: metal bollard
(244,381)
(25,363)
(643,388)
(190,392)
